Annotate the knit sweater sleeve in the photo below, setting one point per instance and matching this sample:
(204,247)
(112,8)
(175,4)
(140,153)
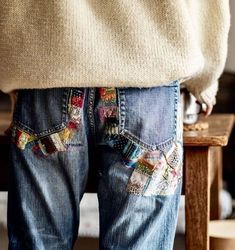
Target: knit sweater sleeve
(211,16)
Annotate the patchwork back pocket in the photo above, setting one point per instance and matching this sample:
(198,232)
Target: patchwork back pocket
(148,116)
(49,118)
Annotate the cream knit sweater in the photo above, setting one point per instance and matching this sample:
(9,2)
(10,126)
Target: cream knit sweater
(121,43)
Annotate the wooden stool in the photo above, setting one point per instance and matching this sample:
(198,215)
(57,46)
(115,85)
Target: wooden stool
(203,177)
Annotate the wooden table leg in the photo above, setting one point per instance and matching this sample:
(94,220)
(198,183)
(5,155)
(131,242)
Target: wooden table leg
(216,182)
(197,193)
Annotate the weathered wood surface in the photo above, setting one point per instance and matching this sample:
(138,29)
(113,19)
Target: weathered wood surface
(220,127)
(197,193)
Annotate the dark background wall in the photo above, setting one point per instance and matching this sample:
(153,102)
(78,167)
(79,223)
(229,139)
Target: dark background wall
(226,104)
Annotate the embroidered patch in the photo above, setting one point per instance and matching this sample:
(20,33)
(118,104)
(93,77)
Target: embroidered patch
(107,112)
(131,153)
(163,169)
(58,144)
(66,134)
(39,149)
(21,138)
(120,143)
(137,182)
(173,155)
(139,177)
(111,129)
(74,108)
(48,145)
(152,157)
(108,94)
(160,182)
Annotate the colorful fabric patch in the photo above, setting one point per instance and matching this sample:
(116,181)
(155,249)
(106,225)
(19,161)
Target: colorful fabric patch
(145,166)
(72,125)
(75,108)
(111,129)
(77,100)
(131,153)
(137,182)
(108,112)
(21,138)
(108,94)
(66,134)
(173,155)
(120,143)
(161,182)
(39,149)
(48,145)
(152,157)
(139,177)
(58,143)
(164,170)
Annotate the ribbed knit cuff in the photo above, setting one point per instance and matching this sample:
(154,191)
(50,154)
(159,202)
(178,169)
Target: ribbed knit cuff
(207,96)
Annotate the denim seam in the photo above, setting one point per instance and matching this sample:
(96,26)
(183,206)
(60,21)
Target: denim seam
(91,100)
(176,106)
(144,145)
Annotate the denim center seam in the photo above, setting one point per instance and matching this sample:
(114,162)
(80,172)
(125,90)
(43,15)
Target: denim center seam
(90,108)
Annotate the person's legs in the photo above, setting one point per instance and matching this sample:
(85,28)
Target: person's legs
(140,155)
(49,168)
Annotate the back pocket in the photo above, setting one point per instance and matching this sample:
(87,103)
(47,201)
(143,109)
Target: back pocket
(41,111)
(148,116)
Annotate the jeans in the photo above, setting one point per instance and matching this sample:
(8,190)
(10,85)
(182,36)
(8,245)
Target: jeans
(127,139)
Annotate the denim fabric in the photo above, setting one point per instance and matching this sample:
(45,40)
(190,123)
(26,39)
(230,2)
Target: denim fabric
(129,139)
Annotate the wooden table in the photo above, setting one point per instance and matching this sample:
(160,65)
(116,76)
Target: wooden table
(202,176)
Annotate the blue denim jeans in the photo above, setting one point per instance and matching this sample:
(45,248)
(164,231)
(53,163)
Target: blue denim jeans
(128,139)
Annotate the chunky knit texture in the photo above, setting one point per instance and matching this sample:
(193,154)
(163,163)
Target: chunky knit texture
(121,43)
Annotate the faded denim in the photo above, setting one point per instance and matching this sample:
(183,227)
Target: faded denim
(47,181)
